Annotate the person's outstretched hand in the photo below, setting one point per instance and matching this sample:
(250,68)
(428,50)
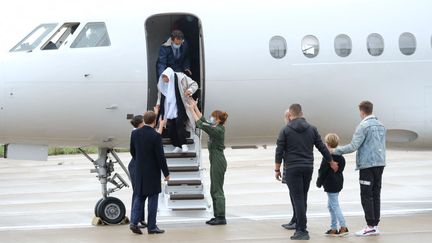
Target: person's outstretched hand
(191,103)
(156,109)
(162,122)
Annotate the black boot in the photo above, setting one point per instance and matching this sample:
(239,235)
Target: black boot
(300,235)
(211,220)
(218,221)
(290,226)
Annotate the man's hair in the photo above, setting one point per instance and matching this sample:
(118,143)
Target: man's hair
(332,140)
(137,120)
(295,110)
(149,117)
(177,34)
(366,107)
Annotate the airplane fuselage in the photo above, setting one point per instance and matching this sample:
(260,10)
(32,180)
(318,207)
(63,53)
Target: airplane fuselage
(82,96)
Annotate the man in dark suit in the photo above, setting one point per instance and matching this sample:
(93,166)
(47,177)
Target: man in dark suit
(174,53)
(137,122)
(147,151)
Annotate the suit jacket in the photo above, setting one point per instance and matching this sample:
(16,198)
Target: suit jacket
(167,59)
(147,151)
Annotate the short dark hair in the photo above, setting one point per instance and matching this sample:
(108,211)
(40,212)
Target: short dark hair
(137,120)
(177,34)
(295,109)
(149,117)
(366,107)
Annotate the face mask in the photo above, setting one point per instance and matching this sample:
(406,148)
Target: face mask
(212,120)
(176,46)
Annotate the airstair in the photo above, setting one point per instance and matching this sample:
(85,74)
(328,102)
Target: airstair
(185,190)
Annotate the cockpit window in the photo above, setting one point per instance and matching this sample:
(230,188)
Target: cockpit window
(92,35)
(32,40)
(60,36)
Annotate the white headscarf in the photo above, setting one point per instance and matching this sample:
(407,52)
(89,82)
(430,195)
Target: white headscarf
(168,90)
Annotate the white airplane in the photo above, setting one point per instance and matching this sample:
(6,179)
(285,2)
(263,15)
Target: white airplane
(76,82)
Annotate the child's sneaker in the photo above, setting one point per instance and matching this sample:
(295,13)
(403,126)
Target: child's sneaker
(343,231)
(367,231)
(331,232)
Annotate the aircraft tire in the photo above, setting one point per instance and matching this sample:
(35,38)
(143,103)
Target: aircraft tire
(96,209)
(111,210)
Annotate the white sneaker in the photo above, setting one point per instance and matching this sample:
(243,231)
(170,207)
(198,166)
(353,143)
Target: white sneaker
(177,150)
(184,148)
(377,232)
(367,231)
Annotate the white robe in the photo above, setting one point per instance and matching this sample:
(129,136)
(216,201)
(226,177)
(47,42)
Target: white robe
(184,83)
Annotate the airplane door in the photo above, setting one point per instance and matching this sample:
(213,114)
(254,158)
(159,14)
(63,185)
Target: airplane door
(158,30)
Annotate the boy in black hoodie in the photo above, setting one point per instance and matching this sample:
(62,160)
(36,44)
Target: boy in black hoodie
(333,184)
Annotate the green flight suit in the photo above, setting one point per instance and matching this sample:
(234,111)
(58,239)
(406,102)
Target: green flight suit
(218,164)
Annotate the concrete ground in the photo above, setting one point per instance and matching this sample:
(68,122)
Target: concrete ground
(53,201)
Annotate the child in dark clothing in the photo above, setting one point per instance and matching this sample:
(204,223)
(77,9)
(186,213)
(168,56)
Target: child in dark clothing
(333,184)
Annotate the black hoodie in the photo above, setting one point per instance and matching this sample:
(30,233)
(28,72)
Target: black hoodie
(295,144)
(332,181)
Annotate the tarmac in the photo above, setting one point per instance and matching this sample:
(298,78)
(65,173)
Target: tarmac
(53,201)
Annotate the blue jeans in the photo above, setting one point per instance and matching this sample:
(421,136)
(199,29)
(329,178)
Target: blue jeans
(335,211)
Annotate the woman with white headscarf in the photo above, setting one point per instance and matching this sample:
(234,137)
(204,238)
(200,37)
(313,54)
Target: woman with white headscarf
(174,90)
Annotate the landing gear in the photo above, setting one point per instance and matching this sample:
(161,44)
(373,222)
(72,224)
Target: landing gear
(110,210)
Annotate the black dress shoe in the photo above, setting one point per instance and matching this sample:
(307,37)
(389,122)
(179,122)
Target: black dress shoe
(211,220)
(218,221)
(135,229)
(142,225)
(290,226)
(300,235)
(156,231)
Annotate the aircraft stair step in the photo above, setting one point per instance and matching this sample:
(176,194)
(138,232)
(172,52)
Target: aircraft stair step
(184,189)
(167,141)
(180,155)
(186,196)
(196,204)
(184,182)
(168,148)
(186,168)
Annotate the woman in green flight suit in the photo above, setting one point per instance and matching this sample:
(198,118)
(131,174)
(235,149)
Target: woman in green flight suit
(216,131)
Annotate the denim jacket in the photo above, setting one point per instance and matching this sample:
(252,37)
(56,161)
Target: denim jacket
(369,141)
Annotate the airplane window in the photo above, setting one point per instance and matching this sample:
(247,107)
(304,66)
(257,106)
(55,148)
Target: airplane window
(407,43)
(343,45)
(375,44)
(60,36)
(92,35)
(278,47)
(32,40)
(310,46)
